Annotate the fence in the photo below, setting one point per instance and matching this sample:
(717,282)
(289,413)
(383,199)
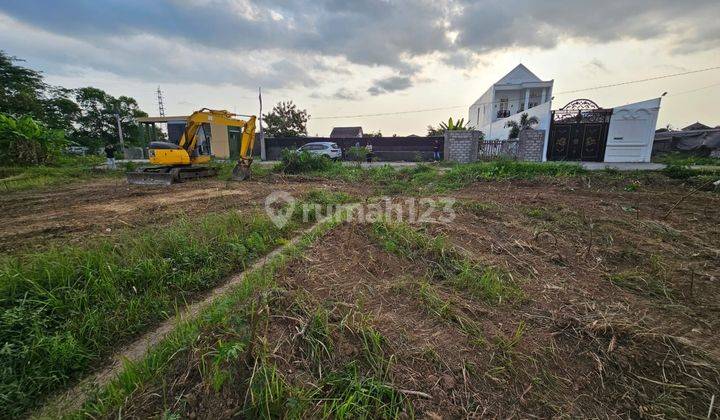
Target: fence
(410,149)
(493,149)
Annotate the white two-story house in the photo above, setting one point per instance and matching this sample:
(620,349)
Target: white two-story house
(517,92)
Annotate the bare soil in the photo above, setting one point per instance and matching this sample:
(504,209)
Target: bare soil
(620,317)
(578,344)
(72,213)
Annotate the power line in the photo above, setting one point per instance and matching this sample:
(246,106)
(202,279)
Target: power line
(694,90)
(388,113)
(554,93)
(639,80)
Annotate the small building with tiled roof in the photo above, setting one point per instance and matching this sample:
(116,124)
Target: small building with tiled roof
(346,132)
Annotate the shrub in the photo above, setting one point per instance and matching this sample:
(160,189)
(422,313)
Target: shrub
(294,162)
(356,153)
(679,171)
(24,141)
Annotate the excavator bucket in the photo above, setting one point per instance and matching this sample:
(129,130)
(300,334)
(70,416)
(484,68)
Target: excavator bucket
(241,172)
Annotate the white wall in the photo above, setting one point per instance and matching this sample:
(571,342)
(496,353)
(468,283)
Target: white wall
(498,131)
(479,113)
(632,131)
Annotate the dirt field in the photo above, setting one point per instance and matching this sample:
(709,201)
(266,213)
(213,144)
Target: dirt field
(617,314)
(73,213)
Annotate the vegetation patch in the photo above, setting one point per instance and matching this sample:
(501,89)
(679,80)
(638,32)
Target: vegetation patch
(442,308)
(446,263)
(641,373)
(63,170)
(686,159)
(65,308)
(479,208)
(294,162)
(238,370)
(645,284)
(423,178)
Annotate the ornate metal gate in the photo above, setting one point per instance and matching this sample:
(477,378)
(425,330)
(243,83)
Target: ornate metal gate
(579,132)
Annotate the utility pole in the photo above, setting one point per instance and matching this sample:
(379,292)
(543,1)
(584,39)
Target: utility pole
(120,133)
(263,152)
(161,106)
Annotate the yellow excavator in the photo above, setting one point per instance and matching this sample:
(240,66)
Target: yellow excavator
(186,160)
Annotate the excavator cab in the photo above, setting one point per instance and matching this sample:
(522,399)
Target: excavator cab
(188,159)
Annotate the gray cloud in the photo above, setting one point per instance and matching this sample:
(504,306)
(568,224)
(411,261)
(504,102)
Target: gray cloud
(596,65)
(390,84)
(344,94)
(488,26)
(286,43)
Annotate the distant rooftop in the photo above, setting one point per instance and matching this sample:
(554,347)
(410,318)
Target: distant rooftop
(346,132)
(696,126)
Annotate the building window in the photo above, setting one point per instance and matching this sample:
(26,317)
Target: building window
(503,112)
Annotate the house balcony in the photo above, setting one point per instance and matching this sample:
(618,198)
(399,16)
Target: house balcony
(503,113)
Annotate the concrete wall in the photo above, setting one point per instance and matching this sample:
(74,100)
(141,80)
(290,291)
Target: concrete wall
(632,131)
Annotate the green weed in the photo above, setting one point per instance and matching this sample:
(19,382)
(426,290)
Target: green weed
(293,162)
(64,308)
(270,396)
(447,264)
(317,338)
(443,309)
(64,171)
(505,353)
(347,395)
(221,312)
(642,283)
(482,209)
(686,159)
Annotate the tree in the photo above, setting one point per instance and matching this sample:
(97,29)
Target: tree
(20,88)
(97,124)
(86,115)
(450,125)
(28,142)
(524,124)
(372,134)
(286,120)
(433,132)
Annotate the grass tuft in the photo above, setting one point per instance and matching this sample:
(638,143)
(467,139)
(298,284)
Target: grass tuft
(447,264)
(349,396)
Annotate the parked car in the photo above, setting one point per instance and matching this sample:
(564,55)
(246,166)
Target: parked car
(324,148)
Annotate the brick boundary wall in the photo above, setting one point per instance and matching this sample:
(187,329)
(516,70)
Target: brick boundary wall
(531,145)
(461,146)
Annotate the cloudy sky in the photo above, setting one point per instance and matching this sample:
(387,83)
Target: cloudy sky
(356,57)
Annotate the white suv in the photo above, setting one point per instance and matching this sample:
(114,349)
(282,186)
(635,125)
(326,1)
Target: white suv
(324,148)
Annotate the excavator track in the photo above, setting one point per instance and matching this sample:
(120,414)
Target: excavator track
(168,175)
